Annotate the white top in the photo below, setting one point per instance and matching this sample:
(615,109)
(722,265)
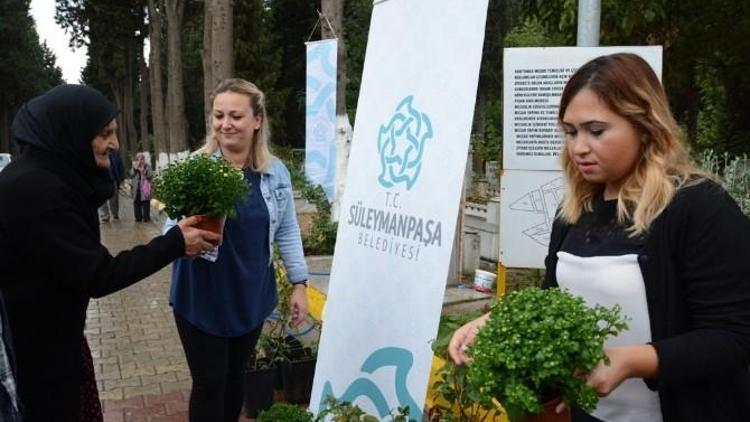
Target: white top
(609,281)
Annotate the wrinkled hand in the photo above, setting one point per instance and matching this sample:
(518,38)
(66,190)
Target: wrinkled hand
(463,338)
(197,241)
(298,304)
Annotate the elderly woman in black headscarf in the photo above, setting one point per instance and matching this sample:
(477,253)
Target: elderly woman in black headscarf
(51,256)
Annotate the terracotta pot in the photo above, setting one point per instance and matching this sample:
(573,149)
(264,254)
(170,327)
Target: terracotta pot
(212,224)
(549,415)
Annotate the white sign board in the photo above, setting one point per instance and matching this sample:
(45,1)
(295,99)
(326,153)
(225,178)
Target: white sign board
(533,80)
(320,120)
(528,201)
(400,206)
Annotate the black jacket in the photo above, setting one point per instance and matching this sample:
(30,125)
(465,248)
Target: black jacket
(696,267)
(51,258)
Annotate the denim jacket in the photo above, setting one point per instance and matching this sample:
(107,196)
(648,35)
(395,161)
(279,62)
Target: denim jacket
(276,187)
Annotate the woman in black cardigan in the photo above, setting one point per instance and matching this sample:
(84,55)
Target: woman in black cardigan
(640,225)
(51,257)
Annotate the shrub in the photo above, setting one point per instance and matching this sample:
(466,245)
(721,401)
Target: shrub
(282,412)
(200,185)
(535,346)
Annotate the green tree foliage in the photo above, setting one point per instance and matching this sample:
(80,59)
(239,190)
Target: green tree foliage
(113,32)
(290,23)
(357,15)
(27,68)
(192,72)
(52,73)
(258,56)
(705,53)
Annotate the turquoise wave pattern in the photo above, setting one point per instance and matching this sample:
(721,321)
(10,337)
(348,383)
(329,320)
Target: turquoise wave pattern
(402,359)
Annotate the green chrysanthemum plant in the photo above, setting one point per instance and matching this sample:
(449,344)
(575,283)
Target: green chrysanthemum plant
(538,345)
(200,185)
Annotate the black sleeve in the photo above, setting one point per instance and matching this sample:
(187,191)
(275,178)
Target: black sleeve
(559,230)
(714,278)
(75,257)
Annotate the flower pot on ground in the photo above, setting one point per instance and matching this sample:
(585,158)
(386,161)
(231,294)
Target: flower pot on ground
(200,185)
(534,348)
(260,380)
(297,373)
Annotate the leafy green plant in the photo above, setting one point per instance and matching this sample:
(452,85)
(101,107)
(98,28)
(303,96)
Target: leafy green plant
(535,346)
(343,411)
(283,412)
(732,172)
(200,185)
(321,239)
(455,398)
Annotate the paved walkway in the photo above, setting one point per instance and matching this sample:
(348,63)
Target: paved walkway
(140,366)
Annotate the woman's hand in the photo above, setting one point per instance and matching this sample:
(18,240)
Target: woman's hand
(634,361)
(463,338)
(298,304)
(196,240)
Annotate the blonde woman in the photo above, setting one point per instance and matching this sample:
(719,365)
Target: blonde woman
(220,302)
(640,226)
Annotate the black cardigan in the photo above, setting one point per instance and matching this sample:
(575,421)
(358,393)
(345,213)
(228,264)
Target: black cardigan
(51,263)
(696,268)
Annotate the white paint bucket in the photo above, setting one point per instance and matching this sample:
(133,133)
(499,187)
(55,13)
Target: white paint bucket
(484,281)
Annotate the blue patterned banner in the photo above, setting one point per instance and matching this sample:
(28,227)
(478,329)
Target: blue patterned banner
(320,124)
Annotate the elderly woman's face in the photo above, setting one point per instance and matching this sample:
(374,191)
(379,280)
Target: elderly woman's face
(233,120)
(604,145)
(105,142)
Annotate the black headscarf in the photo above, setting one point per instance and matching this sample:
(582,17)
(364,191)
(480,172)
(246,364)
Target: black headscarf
(61,124)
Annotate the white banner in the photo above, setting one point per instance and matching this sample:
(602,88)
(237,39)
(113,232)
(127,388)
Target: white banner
(320,122)
(400,206)
(533,80)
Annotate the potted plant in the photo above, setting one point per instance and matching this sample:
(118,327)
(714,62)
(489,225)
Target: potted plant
(535,347)
(343,411)
(263,372)
(201,185)
(260,379)
(455,398)
(282,412)
(298,372)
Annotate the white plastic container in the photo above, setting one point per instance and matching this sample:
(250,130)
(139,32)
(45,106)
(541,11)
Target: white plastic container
(484,281)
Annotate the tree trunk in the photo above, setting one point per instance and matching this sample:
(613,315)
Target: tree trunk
(122,132)
(143,88)
(222,51)
(208,80)
(161,140)
(333,10)
(175,90)
(129,95)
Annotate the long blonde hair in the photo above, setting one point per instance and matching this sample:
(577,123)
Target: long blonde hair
(259,149)
(630,88)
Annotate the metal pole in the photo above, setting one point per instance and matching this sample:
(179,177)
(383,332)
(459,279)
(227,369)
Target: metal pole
(589,16)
